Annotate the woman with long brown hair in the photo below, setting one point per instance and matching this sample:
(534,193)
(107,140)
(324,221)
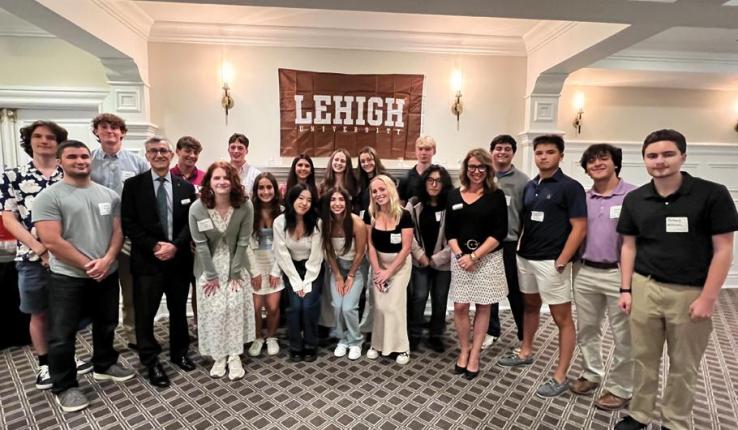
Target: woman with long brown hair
(266,278)
(339,173)
(220,223)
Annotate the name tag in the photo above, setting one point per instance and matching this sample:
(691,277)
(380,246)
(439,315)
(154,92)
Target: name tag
(536,216)
(205,225)
(125,174)
(438,216)
(677,224)
(185,201)
(395,238)
(105,208)
(615,211)
(508,199)
(457,206)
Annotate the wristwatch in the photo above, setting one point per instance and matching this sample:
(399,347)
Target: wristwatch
(625,290)
(459,255)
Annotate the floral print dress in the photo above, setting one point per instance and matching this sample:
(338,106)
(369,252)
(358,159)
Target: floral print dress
(225,318)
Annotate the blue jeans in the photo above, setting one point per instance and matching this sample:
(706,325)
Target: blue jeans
(346,308)
(303,313)
(70,299)
(427,280)
(33,285)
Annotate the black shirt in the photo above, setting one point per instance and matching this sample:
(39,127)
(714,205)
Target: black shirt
(472,224)
(390,241)
(409,184)
(548,205)
(428,223)
(674,233)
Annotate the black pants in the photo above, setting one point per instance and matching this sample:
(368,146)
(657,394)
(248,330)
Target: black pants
(515,297)
(303,313)
(426,280)
(12,320)
(147,293)
(71,299)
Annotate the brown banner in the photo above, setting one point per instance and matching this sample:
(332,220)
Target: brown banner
(320,112)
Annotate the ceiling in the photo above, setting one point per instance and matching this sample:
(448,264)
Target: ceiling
(702,53)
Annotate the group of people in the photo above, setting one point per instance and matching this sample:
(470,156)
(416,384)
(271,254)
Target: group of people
(358,253)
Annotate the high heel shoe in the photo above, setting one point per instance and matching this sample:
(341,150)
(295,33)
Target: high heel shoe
(458,370)
(469,375)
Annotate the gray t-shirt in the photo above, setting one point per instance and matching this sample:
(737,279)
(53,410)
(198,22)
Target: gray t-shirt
(86,215)
(512,183)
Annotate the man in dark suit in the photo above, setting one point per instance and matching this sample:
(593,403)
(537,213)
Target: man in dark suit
(155,206)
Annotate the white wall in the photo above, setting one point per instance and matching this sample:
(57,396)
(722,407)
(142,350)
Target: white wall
(185,94)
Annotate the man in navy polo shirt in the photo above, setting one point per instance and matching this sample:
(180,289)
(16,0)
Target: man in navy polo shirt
(554,219)
(678,234)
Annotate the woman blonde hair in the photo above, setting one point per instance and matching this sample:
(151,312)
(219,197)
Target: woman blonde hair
(483,156)
(395,208)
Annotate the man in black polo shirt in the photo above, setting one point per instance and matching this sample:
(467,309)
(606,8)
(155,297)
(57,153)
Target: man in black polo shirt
(425,149)
(554,220)
(677,249)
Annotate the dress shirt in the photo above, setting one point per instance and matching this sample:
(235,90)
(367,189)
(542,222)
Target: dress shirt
(112,170)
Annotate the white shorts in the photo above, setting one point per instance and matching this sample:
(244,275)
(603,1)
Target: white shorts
(541,277)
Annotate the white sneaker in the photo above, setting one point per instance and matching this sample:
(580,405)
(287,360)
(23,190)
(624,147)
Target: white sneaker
(354,352)
(488,341)
(255,349)
(43,378)
(83,367)
(219,368)
(340,350)
(235,368)
(372,354)
(403,358)
(272,346)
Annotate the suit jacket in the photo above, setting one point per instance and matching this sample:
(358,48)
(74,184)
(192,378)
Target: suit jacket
(141,224)
(237,236)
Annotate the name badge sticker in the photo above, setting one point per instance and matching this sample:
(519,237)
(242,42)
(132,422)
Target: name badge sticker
(615,212)
(205,225)
(395,238)
(185,201)
(508,199)
(677,224)
(457,206)
(105,208)
(536,216)
(438,216)
(126,174)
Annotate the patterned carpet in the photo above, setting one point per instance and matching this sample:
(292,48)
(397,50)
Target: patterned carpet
(337,393)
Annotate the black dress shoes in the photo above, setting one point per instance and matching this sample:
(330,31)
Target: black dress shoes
(184,363)
(469,375)
(310,355)
(436,344)
(295,356)
(628,423)
(458,370)
(157,377)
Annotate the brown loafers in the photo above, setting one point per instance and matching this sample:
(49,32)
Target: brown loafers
(610,402)
(582,386)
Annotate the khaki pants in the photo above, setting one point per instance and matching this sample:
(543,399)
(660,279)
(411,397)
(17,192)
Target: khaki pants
(126,288)
(660,312)
(596,293)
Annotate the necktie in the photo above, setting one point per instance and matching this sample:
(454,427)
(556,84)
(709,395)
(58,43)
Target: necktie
(161,205)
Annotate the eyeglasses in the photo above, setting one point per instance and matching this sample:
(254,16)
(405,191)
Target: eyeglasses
(433,181)
(477,168)
(162,151)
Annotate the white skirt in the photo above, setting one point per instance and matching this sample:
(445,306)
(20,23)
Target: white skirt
(486,284)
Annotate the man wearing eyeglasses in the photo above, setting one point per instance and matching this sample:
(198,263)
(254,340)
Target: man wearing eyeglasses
(155,206)
(554,220)
(111,166)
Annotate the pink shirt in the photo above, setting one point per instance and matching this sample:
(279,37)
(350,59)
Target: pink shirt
(602,244)
(195,179)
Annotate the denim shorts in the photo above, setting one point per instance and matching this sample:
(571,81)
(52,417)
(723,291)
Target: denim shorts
(33,285)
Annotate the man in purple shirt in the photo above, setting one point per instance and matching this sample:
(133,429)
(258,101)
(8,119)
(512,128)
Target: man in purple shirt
(597,282)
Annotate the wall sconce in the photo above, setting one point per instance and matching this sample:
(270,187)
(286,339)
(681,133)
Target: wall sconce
(227,77)
(457,107)
(579,106)
(735,108)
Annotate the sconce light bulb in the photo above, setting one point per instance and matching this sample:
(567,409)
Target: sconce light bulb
(227,74)
(579,101)
(457,80)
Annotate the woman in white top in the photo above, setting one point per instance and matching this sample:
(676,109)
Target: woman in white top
(299,254)
(266,278)
(344,243)
(390,232)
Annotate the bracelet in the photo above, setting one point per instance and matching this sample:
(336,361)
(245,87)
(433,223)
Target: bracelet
(625,290)
(350,275)
(473,256)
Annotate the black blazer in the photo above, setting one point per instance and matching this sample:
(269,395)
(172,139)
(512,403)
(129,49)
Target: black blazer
(141,224)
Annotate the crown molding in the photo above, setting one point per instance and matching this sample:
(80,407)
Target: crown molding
(335,38)
(685,61)
(52,97)
(129,14)
(544,33)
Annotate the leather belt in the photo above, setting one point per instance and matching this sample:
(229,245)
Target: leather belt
(600,265)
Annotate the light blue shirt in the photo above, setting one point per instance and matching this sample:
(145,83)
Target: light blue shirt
(168,188)
(112,170)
